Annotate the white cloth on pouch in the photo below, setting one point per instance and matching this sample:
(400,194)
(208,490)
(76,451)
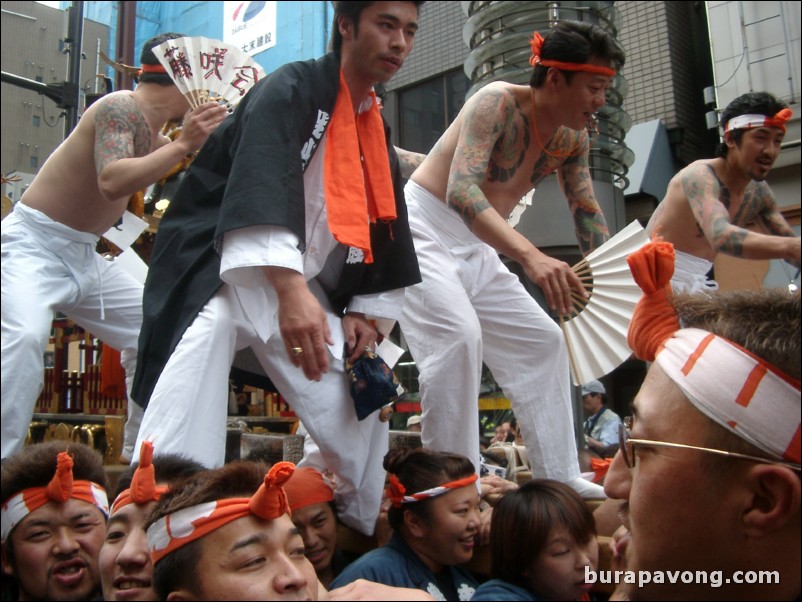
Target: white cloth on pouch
(48,267)
(468,309)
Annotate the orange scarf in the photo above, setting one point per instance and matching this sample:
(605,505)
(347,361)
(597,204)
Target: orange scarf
(356,145)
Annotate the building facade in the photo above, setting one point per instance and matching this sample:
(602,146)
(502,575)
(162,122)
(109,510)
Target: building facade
(33,47)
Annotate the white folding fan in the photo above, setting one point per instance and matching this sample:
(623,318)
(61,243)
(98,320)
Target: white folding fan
(206,70)
(596,332)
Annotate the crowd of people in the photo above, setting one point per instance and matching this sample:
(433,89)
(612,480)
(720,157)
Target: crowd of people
(271,243)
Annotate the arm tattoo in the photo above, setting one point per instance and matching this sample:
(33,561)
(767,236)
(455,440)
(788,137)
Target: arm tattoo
(767,214)
(510,149)
(121,132)
(577,184)
(709,201)
(408,161)
(483,124)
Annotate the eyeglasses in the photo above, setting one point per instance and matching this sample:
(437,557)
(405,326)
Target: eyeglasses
(627,446)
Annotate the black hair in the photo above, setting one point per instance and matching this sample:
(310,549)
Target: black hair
(351,11)
(576,42)
(148,57)
(759,103)
(419,469)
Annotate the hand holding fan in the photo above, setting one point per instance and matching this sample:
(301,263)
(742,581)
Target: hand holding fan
(596,333)
(208,70)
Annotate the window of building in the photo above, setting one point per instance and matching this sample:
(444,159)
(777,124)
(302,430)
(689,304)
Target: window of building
(427,109)
(36,121)
(34,162)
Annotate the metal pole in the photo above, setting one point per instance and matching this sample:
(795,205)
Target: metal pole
(75,38)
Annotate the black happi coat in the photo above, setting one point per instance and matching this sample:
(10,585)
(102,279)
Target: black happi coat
(250,172)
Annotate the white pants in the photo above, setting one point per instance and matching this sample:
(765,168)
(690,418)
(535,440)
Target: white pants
(188,409)
(690,274)
(468,309)
(48,267)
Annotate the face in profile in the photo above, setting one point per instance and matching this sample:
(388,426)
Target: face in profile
(56,551)
(252,559)
(126,571)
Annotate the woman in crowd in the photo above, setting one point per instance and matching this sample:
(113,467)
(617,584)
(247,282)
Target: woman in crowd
(435,519)
(542,537)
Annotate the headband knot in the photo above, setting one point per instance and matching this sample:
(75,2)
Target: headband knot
(536,43)
(654,320)
(270,500)
(143,483)
(395,491)
(60,486)
(143,487)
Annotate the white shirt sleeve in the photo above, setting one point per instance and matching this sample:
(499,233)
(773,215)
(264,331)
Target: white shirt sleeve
(387,305)
(246,251)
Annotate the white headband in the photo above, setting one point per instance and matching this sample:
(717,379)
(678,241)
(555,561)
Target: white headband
(737,390)
(746,122)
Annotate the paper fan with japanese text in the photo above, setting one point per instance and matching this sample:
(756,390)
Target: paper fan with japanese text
(596,331)
(206,70)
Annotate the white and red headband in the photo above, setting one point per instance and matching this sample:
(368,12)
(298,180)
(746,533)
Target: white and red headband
(736,389)
(61,488)
(396,492)
(733,387)
(184,526)
(752,121)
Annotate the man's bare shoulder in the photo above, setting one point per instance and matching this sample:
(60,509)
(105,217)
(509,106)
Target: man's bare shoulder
(699,169)
(116,109)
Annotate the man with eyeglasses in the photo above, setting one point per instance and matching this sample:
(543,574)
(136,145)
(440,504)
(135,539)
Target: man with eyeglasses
(709,462)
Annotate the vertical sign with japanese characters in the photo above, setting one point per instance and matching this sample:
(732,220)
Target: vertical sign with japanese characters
(251,26)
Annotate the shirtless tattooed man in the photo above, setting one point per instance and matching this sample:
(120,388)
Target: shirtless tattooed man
(470,308)
(49,262)
(709,203)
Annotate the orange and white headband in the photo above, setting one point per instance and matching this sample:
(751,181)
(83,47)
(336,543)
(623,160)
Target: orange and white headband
(60,489)
(736,389)
(536,44)
(748,122)
(184,526)
(396,492)
(143,484)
